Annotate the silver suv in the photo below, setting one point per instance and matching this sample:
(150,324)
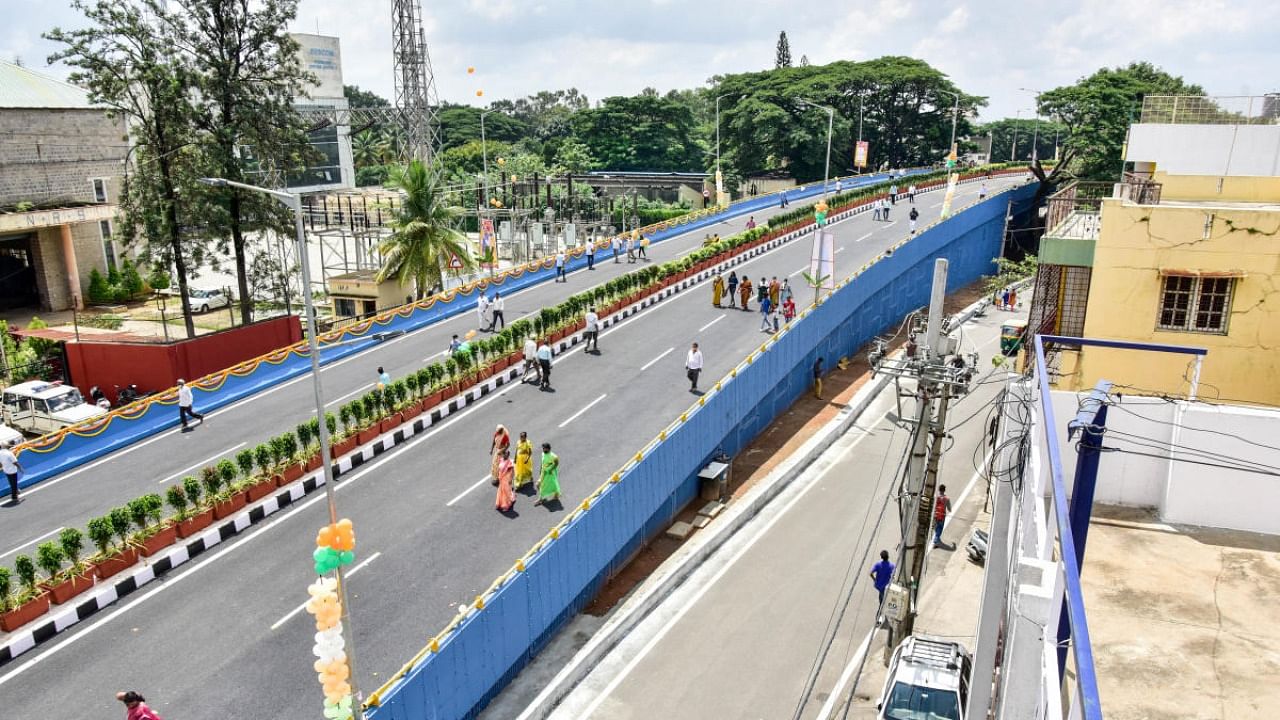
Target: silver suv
(928,680)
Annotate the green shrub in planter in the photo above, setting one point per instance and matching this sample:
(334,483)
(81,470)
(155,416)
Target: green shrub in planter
(192,490)
(212,482)
(244,462)
(280,449)
(138,514)
(100,533)
(411,385)
(26,570)
(155,507)
(349,420)
(6,588)
(72,542)
(263,456)
(49,557)
(120,523)
(330,424)
(177,500)
(304,434)
(426,378)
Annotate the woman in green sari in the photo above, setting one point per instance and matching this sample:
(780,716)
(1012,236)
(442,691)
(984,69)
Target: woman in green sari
(549,486)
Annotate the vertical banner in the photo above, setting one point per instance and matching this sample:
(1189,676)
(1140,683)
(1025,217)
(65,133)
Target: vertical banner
(860,154)
(488,249)
(822,261)
(952,179)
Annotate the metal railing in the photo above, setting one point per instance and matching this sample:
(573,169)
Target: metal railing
(1075,210)
(1211,110)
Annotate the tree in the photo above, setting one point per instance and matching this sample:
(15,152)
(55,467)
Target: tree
(460,124)
(357,98)
(249,74)
(1006,132)
(645,132)
(424,235)
(574,157)
(782,59)
(370,147)
(804,61)
(125,59)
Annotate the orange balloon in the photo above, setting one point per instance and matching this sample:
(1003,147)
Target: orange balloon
(470,70)
(479,93)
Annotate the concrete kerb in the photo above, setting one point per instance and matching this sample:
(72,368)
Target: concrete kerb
(680,566)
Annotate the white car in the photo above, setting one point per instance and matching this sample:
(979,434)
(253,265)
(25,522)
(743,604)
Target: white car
(9,436)
(928,680)
(39,407)
(203,301)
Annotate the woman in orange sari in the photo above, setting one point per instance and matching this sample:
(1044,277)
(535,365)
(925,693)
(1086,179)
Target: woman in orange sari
(501,441)
(506,491)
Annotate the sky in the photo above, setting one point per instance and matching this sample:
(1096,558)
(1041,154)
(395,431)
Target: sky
(618,47)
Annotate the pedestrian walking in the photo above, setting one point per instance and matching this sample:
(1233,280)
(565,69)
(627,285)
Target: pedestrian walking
(524,461)
(911,194)
(941,507)
(744,292)
(773,315)
(839,185)
(717,289)
(782,199)
(884,205)
(496,307)
(186,404)
(765,306)
(631,248)
(1013,299)
(893,194)
(454,345)
(732,284)
(785,293)
(482,312)
(789,309)
(136,706)
(817,378)
(12,469)
(996,299)
(643,250)
(982,191)
(383,378)
(693,367)
(530,360)
(560,267)
(876,210)
(1004,299)
(775,292)
(544,366)
(914,216)
(506,498)
(616,242)
(751,222)
(501,442)
(706,198)
(592,333)
(591,255)
(882,575)
(549,485)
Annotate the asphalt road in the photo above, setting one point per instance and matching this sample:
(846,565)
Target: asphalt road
(217,636)
(740,638)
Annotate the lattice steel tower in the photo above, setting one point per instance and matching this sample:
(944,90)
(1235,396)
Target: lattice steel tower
(415,83)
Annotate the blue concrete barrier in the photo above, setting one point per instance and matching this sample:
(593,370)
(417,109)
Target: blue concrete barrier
(489,646)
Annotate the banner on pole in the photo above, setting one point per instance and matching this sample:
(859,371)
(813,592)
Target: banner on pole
(822,260)
(860,154)
(952,179)
(488,251)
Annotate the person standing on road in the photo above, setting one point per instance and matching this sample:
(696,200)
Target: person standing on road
(717,289)
(785,293)
(884,206)
(1004,299)
(560,260)
(496,307)
(592,334)
(136,706)
(817,378)
(506,498)
(775,292)
(941,507)
(882,575)
(751,222)
(911,194)
(789,309)
(982,191)
(186,404)
(482,309)
(744,291)
(693,367)
(876,209)
(501,442)
(524,461)
(1013,299)
(616,243)
(631,248)
(591,255)
(643,250)
(733,288)
(544,366)
(914,215)
(530,359)
(782,199)
(383,378)
(12,469)
(549,485)
(766,306)
(893,194)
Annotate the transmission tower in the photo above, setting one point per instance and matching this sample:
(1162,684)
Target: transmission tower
(415,83)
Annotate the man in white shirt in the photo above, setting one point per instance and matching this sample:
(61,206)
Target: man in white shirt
(482,307)
(693,366)
(11,467)
(884,207)
(893,194)
(591,255)
(592,333)
(617,248)
(186,404)
(530,358)
(631,249)
(544,363)
(911,194)
(496,308)
(560,276)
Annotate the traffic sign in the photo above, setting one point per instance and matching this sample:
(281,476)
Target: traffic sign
(455,262)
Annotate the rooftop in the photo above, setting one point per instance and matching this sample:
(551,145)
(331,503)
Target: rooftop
(24,88)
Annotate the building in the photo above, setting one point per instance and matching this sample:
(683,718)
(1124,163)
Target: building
(60,164)
(332,166)
(1185,251)
(359,294)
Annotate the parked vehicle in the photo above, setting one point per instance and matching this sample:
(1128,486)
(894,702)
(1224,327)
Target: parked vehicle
(39,407)
(130,393)
(202,301)
(928,680)
(1012,335)
(9,435)
(99,398)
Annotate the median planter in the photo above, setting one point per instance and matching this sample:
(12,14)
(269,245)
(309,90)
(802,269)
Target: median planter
(291,472)
(67,589)
(413,410)
(194,524)
(433,399)
(389,423)
(122,560)
(230,506)
(262,488)
(163,538)
(342,447)
(312,462)
(367,435)
(25,613)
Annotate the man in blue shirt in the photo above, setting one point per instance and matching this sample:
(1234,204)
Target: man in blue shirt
(882,574)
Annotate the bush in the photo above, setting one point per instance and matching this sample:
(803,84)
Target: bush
(191,488)
(158,278)
(227,470)
(130,279)
(72,542)
(6,588)
(244,460)
(99,288)
(26,570)
(138,514)
(49,557)
(100,533)
(212,482)
(120,522)
(155,507)
(177,500)
(263,456)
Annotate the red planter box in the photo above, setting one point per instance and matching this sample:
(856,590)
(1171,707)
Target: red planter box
(433,400)
(230,506)
(411,411)
(312,462)
(69,588)
(163,538)
(195,523)
(389,423)
(342,447)
(114,564)
(291,472)
(25,613)
(367,434)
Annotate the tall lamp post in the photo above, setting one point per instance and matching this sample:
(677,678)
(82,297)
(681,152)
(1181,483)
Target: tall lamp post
(955,114)
(484,152)
(294,203)
(1013,145)
(1035,135)
(831,118)
(719,177)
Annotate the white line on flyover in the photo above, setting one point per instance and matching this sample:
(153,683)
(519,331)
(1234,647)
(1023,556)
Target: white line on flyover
(349,573)
(651,362)
(713,322)
(460,495)
(32,541)
(211,458)
(584,409)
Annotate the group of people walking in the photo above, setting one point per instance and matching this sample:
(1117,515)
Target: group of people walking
(490,312)
(511,475)
(774,298)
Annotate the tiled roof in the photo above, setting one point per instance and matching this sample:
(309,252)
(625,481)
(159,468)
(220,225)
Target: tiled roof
(23,88)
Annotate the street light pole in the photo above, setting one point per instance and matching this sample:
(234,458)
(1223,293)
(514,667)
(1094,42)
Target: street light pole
(484,151)
(1035,136)
(955,114)
(831,118)
(1013,145)
(294,203)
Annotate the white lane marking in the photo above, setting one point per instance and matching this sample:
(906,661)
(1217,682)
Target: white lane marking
(651,362)
(211,458)
(864,237)
(854,662)
(32,541)
(462,494)
(839,250)
(797,272)
(584,409)
(429,358)
(362,388)
(348,575)
(713,322)
(702,590)
(937,204)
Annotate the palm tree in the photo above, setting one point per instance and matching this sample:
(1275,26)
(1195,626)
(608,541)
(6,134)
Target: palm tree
(370,148)
(425,234)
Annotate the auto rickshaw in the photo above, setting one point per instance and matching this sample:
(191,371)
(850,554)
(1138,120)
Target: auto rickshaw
(1013,333)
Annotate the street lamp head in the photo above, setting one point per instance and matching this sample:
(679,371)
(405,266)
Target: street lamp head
(213,182)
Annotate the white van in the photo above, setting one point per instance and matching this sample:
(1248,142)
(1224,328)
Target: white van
(39,407)
(928,680)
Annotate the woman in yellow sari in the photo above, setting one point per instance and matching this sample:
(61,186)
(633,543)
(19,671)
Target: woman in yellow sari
(717,290)
(524,461)
(501,442)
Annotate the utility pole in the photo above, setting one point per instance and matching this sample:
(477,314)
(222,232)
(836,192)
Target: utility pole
(941,374)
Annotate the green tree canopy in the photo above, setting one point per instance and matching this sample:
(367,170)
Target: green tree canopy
(1005,132)
(644,132)
(460,124)
(425,234)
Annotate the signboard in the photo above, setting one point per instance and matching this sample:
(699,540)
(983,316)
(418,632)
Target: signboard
(860,154)
(822,260)
(455,262)
(321,56)
(487,239)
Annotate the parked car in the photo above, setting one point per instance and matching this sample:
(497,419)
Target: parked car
(928,680)
(9,435)
(203,301)
(40,407)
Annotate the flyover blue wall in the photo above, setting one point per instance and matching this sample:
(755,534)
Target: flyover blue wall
(519,617)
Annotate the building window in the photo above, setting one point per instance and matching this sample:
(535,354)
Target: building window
(344,307)
(1195,304)
(99,190)
(108,247)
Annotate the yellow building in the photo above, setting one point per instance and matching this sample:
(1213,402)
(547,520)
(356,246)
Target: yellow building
(1174,255)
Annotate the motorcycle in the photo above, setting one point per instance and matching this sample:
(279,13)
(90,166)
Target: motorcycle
(99,398)
(126,395)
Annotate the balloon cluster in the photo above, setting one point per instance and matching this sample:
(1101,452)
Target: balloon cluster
(335,546)
(820,212)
